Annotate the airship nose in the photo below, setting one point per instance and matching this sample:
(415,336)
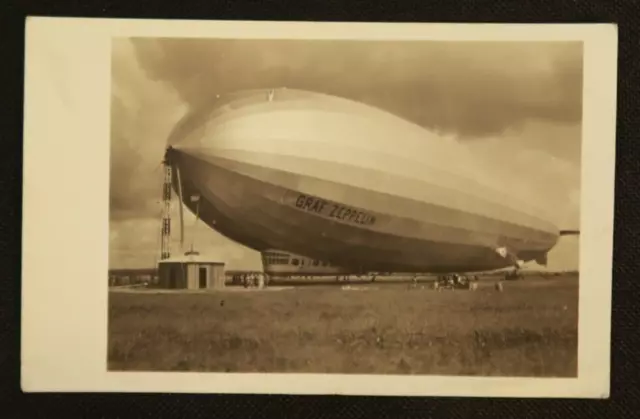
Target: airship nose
(168,154)
(173,153)
(186,161)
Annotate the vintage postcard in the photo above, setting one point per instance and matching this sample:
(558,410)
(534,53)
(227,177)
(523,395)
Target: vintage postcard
(318,208)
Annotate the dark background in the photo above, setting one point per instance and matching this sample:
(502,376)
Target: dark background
(625,393)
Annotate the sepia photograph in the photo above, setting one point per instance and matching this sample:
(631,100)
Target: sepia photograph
(318,208)
(345,206)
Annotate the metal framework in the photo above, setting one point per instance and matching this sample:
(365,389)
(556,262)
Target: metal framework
(165,249)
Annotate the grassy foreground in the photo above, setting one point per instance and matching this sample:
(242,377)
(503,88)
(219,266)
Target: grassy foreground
(528,330)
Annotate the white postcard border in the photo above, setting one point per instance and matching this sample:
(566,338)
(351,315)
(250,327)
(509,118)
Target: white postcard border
(65,210)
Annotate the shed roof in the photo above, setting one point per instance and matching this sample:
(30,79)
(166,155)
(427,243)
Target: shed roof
(192,258)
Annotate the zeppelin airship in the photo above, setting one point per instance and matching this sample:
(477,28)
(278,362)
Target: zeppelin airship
(347,187)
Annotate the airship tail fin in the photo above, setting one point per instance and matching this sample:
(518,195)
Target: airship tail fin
(542,259)
(510,256)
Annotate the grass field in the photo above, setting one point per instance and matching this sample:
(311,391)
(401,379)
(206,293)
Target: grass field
(530,329)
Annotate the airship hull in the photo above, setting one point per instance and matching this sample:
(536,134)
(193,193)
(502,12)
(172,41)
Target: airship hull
(312,174)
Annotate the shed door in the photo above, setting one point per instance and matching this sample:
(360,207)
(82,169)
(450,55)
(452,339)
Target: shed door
(203,277)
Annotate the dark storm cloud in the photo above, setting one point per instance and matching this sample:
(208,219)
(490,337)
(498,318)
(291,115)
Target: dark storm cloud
(472,89)
(129,196)
(139,125)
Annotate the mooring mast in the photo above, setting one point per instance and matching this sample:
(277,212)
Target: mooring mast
(165,249)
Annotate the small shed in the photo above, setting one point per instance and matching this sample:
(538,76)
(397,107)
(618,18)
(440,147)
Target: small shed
(191,271)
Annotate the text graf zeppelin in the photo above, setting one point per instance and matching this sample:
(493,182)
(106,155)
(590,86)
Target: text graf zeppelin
(333,210)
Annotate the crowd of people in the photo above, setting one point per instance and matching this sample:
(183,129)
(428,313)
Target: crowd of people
(250,279)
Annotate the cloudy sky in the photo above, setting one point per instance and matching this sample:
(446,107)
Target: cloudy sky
(517,106)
